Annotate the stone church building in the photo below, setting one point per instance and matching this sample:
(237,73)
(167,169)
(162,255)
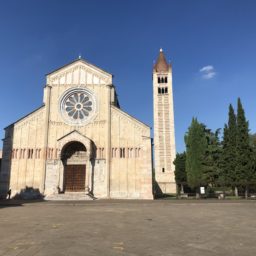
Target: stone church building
(80,142)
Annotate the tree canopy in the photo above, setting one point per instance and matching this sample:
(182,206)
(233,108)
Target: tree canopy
(196,145)
(211,162)
(180,168)
(245,165)
(227,174)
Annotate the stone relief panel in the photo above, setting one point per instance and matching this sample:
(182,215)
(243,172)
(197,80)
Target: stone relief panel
(99,175)
(99,178)
(52,177)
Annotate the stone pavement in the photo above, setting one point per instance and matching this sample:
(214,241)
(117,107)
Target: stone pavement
(107,227)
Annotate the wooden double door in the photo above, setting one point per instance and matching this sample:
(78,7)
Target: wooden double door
(74,179)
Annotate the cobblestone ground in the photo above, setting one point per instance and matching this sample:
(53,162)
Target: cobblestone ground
(128,228)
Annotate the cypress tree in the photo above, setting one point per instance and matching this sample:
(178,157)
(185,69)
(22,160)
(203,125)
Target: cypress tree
(180,170)
(223,171)
(196,144)
(227,174)
(212,156)
(252,138)
(245,170)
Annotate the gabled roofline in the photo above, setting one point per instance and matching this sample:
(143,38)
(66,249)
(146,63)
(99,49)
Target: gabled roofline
(24,117)
(84,61)
(130,116)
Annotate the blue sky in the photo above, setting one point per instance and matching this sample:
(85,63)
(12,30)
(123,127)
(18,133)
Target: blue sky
(211,45)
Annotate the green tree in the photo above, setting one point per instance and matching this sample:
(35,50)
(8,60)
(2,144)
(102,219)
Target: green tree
(211,161)
(252,139)
(245,167)
(227,173)
(196,145)
(180,170)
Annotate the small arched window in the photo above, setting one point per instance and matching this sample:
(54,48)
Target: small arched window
(165,79)
(162,90)
(159,81)
(166,90)
(159,90)
(162,80)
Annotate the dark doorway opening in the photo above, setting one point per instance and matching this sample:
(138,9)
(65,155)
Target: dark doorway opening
(74,178)
(74,159)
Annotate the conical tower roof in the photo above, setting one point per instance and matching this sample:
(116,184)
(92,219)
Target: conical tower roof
(161,64)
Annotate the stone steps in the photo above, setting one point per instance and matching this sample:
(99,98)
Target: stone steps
(70,196)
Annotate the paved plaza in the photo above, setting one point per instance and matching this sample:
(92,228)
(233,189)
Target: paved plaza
(106,227)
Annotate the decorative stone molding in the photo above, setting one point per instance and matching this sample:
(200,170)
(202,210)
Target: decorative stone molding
(75,136)
(81,71)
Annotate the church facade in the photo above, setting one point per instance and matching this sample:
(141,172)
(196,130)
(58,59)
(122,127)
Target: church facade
(80,142)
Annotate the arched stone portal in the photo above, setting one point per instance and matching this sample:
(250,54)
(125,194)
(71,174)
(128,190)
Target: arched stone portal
(74,156)
(68,145)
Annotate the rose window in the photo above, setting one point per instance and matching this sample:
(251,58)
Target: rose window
(77,106)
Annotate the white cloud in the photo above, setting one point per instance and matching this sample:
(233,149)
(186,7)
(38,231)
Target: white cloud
(207,72)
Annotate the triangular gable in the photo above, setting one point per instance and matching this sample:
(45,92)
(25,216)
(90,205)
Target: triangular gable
(74,136)
(79,72)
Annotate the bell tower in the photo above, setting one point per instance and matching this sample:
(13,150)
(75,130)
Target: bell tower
(164,139)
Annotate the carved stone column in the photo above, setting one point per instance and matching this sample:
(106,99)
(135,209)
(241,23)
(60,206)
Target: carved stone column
(87,176)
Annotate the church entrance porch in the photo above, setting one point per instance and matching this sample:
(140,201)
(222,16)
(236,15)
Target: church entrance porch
(74,170)
(74,156)
(74,180)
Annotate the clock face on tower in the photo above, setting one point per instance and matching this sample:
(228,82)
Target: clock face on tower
(78,106)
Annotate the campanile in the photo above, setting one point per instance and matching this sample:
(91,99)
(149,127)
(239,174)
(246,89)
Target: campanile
(164,138)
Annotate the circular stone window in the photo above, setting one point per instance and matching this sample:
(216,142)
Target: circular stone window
(77,106)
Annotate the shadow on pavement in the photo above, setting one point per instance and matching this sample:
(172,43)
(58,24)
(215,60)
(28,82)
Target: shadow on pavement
(17,202)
